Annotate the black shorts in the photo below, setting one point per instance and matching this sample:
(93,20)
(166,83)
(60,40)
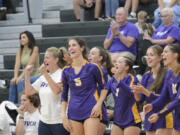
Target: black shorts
(136,125)
(82,121)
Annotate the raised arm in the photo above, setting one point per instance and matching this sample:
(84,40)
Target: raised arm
(29,90)
(55,87)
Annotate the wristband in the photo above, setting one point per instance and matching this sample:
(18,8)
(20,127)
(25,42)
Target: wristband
(21,117)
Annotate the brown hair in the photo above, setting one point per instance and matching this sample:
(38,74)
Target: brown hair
(142,14)
(129,62)
(81,43)
(175,48)
(157,83)
(34,99)
(106,60)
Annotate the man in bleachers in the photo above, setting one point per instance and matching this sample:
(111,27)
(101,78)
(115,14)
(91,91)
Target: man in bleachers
(96,4)
(122,35)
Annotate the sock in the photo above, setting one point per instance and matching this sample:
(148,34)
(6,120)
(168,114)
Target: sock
(133,14)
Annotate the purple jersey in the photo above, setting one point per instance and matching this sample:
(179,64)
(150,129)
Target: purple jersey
(128,29)
(163,122)
(167,31)
(125,111)
(171,92)
(104,111)
(83,89)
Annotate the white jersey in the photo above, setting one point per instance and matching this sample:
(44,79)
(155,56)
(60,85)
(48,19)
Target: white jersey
(31,122)
(50,102)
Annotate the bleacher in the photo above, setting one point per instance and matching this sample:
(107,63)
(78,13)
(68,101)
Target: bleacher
(56,26)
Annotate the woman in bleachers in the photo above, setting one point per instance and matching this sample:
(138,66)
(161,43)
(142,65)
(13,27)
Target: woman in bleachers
(150,89)
(28,53)
(169,33)
(174,4)
(49,87)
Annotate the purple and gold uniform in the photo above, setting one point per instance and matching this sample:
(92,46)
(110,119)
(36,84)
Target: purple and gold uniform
(171,92)
(163,122)
(104,111)
(125,110)
(83,89)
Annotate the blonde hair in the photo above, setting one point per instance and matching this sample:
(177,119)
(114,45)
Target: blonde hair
(168,10)
(59,53)
(142,14)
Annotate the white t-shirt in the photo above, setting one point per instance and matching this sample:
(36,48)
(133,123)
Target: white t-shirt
(31,122)
(50,102)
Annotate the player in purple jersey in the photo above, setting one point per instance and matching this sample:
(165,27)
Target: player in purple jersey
(127,120)
(150,89)
(122,35)
(103,58)
(171,91)
(169,33)
(82,78)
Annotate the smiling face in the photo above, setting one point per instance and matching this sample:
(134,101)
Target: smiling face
(94,55)
(74,49)
(24,40)
(166,18)
(121,16)
(50,61)
(168,56)
(152,59)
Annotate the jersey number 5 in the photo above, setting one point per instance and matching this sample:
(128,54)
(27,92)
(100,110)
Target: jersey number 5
(78,82)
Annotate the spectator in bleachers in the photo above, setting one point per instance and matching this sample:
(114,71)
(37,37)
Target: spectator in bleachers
(142,18)
(110,8)
(168,33)
(28,53)
(122,35)
(174,4)
(29,115)
(96,4)
(133,5)
(48,85)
